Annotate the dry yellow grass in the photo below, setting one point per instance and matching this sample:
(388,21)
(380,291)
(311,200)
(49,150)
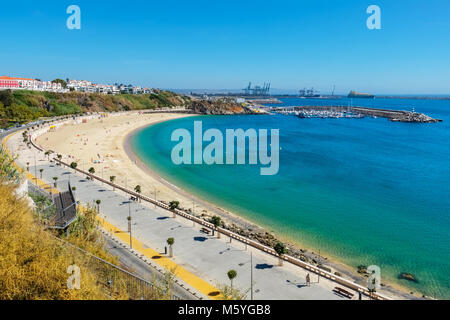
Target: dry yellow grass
(33,265)
(34,262)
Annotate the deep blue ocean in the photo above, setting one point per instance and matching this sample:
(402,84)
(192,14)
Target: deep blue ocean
(364,191)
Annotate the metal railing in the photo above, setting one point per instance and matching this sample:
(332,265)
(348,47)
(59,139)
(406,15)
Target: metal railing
(311,268)
(114,280)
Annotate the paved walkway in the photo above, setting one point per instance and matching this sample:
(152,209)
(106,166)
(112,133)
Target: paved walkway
(202,261)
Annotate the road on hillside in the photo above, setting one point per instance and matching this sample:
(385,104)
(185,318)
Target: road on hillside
(140,268)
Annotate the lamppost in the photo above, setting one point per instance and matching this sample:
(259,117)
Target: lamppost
(193,213)
(154,188)
(129,223)
(35,168)
(251,275)
(318,277)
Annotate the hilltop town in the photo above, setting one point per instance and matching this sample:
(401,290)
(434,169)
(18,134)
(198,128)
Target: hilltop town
(68,85)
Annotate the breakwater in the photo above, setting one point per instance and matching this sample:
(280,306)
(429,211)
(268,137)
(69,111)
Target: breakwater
(353,112)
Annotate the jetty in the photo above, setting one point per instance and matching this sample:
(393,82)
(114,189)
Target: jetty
(353,112)
(265,101)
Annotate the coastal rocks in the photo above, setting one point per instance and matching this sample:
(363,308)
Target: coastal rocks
(355,112)
(325,268)
(362,269)
(407,276)
(415,117)
(218,107)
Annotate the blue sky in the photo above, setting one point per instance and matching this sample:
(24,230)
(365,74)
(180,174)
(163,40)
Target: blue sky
(225,44)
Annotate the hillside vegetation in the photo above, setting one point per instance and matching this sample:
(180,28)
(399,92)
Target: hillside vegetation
(24,106)
(17,107)
(34,261)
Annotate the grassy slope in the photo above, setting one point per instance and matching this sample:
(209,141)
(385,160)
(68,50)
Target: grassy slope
(25,106)
(33,263)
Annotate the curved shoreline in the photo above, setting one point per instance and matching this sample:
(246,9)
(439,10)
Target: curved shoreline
(243,222)
(106,135)
(136,160)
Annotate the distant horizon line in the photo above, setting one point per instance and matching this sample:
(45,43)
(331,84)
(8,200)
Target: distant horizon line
(295,92)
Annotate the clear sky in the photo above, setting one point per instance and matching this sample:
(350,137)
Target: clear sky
(225,44)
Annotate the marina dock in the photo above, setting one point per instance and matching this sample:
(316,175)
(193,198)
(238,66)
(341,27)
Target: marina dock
(353,112)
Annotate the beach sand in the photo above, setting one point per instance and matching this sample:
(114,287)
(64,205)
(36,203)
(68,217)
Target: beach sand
(104,139)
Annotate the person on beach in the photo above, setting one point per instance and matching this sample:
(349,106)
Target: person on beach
(308,280)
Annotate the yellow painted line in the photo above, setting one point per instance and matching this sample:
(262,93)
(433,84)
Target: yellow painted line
(5,145)
(29,176)
(41,183)
(188,277)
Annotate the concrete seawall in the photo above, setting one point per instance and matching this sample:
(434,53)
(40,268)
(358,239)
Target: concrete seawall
(336,111)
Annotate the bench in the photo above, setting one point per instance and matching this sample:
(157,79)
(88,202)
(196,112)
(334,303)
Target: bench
(343,292)
(205,230)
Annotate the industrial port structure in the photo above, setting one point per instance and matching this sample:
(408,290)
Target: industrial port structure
(308,93)
(257,91)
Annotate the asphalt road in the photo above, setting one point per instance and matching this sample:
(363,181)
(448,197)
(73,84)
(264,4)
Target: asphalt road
(138,267)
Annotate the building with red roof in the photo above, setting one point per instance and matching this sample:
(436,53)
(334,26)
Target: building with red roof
(14,83)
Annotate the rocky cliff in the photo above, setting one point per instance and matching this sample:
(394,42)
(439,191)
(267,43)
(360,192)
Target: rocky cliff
(218,107)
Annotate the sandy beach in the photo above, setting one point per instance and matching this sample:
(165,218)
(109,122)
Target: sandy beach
(102,143)
(99,143)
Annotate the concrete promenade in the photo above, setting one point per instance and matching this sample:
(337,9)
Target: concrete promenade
(195,253)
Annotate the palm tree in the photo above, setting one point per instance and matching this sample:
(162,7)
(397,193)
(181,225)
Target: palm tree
(59,156)
(111,179)
(231,275)
(48,153)
(98,205)
(40,171)
(173,205)
(280,249)
(138,190)
(74,165)
(216,222)
(91,171)
(170,242)
(56,179)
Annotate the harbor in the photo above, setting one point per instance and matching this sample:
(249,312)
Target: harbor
(353,112)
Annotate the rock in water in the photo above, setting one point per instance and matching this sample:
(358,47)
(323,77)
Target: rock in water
(407,276)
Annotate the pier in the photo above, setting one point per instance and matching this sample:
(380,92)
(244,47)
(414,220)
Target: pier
(353,112)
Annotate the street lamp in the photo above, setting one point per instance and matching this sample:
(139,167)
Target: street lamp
(129,223)
(155,195)
(35,169)
(320,261)
(251,275)
(193,213)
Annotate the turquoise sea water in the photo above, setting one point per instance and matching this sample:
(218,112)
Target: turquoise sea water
(367,191)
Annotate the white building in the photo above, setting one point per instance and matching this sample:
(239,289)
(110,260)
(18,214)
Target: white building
(14,83)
